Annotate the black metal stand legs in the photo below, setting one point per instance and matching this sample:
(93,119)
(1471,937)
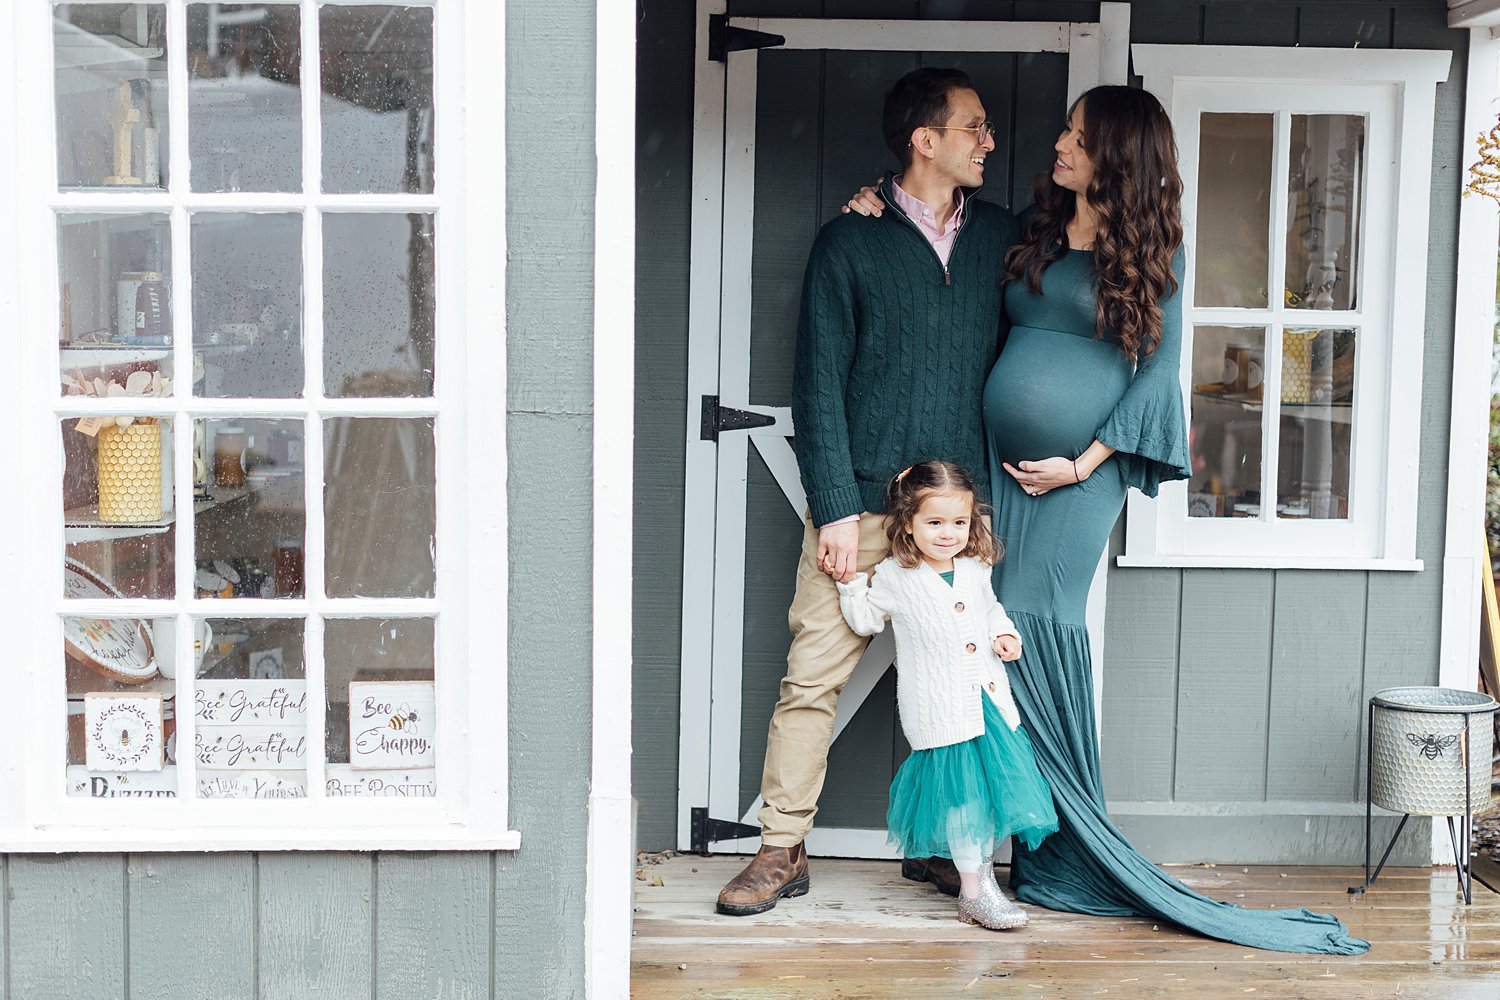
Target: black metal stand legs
(1461,839)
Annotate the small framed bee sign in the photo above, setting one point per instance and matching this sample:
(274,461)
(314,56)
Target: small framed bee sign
(123,732)
(391,725)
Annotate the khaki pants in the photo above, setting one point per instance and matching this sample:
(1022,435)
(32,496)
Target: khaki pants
(823,654)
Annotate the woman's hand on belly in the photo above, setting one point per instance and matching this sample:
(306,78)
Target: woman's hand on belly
(1047,474)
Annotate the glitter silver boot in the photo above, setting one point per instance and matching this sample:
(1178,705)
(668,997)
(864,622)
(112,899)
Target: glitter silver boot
(991,908)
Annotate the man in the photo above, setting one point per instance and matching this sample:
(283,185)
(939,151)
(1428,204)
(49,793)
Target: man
(897,333)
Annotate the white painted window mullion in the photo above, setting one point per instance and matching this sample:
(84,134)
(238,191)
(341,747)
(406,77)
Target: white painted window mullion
(1270,459)
(313,545)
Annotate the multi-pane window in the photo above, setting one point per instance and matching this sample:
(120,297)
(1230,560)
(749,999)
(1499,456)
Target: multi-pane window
(1300,379)
(254,521)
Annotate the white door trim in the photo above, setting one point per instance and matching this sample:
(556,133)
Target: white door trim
(718,365)
(1468,439)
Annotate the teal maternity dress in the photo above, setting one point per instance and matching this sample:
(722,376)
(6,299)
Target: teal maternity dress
(1052,392)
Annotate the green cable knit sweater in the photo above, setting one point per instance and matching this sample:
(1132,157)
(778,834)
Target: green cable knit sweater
(893,352)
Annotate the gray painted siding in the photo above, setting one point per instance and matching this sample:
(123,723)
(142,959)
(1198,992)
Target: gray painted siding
(398,926)
(1197,661)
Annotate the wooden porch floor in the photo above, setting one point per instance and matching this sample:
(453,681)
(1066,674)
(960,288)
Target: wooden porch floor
(864,932)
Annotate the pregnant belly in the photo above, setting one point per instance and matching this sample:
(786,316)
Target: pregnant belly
(1050,392)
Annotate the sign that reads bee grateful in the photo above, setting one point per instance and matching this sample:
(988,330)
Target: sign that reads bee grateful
(253,725)
(391,725)
(123,731)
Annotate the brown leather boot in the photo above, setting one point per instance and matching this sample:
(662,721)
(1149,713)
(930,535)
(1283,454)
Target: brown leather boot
(939,871)
(774,872)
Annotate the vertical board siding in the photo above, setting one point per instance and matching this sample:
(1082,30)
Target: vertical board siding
(433,926)
(1140,684)
(1401,646)
(1223,689)
(1341,25)
(69,943)
(1317,668)
(536,939)
(664,164)
(315,913)
(1248,24)
(191,926)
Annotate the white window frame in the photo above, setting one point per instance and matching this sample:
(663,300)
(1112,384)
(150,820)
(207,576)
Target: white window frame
(1395,91)
(470,811)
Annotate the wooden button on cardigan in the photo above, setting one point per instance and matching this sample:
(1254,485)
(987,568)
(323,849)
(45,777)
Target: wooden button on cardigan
(945,658)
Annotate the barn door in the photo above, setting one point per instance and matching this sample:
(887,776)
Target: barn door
(786,126)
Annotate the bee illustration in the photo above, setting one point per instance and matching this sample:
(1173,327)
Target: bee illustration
(1431,746)
(125,738)
(405,718)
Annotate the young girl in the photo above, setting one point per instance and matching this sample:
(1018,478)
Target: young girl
(971,779)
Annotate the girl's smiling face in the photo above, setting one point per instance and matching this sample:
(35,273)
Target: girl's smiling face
(941,528)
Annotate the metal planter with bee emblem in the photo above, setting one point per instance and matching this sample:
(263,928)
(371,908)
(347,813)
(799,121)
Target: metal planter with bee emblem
(1419,742)
(1429,754)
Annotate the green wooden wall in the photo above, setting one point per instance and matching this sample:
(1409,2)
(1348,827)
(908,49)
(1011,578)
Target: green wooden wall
(402,926)
(1232,716)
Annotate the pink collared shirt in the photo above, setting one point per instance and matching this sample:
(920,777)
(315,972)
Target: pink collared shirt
(941,237)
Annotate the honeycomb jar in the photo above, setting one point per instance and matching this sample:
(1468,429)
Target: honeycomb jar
(130,473)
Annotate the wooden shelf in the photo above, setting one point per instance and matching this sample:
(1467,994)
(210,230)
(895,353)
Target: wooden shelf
(82,524)
(1338,413)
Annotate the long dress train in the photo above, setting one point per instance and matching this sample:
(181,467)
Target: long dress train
(1053,391)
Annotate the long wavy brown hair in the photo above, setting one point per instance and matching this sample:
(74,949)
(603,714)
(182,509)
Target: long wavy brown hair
(1137,195)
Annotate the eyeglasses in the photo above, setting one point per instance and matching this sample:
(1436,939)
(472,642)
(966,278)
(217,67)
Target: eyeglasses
(983,131)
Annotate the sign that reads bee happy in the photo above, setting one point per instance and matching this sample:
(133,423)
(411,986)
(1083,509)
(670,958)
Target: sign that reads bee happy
(391,725)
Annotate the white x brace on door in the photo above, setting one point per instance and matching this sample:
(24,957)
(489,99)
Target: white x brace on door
(723,421)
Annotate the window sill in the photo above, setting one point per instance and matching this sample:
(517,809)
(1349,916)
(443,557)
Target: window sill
(1311,561)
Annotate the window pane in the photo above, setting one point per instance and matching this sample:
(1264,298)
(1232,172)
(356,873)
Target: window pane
(381,735)
(1234,210)
(118,519)
(377,98)
(111,87)
(247,304)
(244,103)
(377,305)
(114,274)
(122,725)
(380,507)
(250,708)
(1322,240)
(1317,403)
(250,512)
(1228,391)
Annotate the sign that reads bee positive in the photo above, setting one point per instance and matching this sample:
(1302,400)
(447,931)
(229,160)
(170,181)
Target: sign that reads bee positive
(391,725)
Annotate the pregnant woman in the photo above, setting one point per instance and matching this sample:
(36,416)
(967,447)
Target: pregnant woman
(1084,403)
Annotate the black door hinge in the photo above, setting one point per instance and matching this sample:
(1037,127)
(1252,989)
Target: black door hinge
(705,831)
(718,418)
(724,38)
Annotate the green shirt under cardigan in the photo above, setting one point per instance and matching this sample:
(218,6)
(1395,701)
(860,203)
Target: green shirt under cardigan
(893,350)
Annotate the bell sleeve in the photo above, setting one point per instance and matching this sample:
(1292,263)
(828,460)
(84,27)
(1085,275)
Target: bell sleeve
(1148,428)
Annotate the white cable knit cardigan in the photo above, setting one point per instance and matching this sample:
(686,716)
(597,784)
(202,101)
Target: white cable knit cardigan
(944,645)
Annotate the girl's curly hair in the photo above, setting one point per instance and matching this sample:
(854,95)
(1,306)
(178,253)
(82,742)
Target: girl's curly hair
(904,498)
(1137,193)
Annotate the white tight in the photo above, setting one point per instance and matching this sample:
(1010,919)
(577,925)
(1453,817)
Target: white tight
(967,854)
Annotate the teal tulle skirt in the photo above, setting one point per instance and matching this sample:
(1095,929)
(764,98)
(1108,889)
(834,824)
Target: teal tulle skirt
(982,791)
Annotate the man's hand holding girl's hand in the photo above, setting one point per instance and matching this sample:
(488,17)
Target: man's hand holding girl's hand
(838,550)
